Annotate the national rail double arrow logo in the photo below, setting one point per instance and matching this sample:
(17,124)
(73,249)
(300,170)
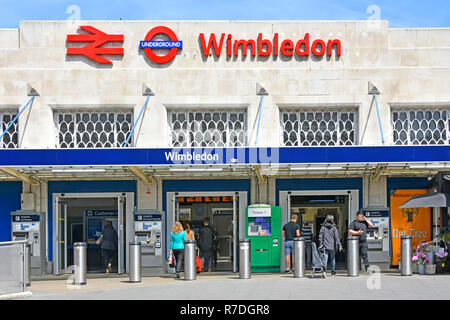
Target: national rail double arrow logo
(93,50)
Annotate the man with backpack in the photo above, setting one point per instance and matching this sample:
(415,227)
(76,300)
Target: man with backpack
(206,239)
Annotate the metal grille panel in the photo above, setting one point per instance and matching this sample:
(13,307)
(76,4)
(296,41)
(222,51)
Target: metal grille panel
(318,127)
(11,138)
(207,128)
(420,127)
(93,129)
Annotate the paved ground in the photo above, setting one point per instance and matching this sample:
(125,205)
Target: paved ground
(227,286)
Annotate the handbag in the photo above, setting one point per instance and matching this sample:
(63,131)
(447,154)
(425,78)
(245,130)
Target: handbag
(171,261)
(99,241)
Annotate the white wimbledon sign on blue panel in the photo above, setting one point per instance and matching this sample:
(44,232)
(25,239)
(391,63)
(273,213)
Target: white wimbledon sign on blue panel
(259,212)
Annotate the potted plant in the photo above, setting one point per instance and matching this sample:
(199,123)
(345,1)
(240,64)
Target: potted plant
(429,250)
(421,260)
(441,258)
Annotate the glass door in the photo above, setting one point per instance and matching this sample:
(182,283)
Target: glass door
(121,243)
(235,231)
(61,236)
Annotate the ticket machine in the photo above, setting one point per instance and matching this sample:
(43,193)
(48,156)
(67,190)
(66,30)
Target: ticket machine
(30,225)
(263,228)
(378,236)
(148,226)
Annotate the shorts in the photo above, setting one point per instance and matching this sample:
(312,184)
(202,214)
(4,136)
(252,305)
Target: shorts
(289,247)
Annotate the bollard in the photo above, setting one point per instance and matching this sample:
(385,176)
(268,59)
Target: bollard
(28,265)
(353,256)
(299,257)
(190,272)
(79,260)
(245,270)
(406,265)
(135,262)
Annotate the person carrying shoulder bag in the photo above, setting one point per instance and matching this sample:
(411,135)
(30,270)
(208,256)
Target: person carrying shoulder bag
(329,240)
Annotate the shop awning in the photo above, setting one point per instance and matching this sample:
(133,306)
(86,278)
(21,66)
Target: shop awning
(429,200)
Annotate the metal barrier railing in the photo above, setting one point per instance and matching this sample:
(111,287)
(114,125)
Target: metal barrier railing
(14,267)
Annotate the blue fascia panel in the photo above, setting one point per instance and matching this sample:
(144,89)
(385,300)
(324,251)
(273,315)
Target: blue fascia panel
(166,156)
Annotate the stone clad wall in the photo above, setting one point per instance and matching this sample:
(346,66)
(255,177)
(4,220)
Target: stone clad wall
(408,66)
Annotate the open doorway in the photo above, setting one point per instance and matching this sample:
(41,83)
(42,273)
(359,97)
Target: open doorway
(222,209)
(312,211)
(82,218)
(312,207)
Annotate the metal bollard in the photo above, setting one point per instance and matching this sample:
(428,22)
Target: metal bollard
(406,265)
(245,270)
(299,257)
(190,272)
(135,262)
(79,260)
(353,256)
(28,265)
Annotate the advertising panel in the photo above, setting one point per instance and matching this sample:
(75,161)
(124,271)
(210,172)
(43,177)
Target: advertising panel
(415,222)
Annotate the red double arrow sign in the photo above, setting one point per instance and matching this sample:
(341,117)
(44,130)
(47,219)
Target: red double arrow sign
(93,50)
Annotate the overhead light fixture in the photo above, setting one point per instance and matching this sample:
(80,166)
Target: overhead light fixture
(315,168)
(428,166)
(78,170)
(196,169)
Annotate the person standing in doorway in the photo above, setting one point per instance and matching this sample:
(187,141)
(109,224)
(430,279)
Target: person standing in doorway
(306,233)
(206,238)
(329,240)
(177,238)
(359,227)
(290,231)
(109,245)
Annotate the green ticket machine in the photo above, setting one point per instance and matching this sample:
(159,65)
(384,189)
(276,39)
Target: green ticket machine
(263,228)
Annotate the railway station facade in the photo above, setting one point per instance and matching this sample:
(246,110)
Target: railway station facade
(106,119)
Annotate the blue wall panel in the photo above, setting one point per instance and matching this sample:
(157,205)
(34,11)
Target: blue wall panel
(10,201)
(82,187)
(405,183)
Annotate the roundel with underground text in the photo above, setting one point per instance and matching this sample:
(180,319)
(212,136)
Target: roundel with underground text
(149,45)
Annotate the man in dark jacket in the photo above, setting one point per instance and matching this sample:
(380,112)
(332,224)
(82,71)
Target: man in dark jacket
(109,245)
(329,240)
(206,238)
(359,227)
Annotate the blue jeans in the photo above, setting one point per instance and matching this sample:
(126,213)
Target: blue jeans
(289,247)
(332,255)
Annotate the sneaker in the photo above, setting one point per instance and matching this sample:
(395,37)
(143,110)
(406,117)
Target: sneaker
(333,273)
(177,275)
(286,271)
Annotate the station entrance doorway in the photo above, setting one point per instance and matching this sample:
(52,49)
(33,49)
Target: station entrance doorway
(313,206)
(225,211)
(81,217)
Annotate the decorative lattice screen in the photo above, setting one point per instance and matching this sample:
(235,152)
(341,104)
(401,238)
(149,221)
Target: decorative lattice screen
(207,128)
(93,129)
(11,138)
(420,127)
(318,127)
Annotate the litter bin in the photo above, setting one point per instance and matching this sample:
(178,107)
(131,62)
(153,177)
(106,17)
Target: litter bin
(299,257)
(135,262)
(79,259)
(406,265)
(244,259)
(353,256)
(190,272)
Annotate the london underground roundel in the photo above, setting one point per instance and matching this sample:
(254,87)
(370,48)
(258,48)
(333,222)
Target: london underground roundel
(173,44)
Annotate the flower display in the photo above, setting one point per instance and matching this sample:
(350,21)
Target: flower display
(441,256)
